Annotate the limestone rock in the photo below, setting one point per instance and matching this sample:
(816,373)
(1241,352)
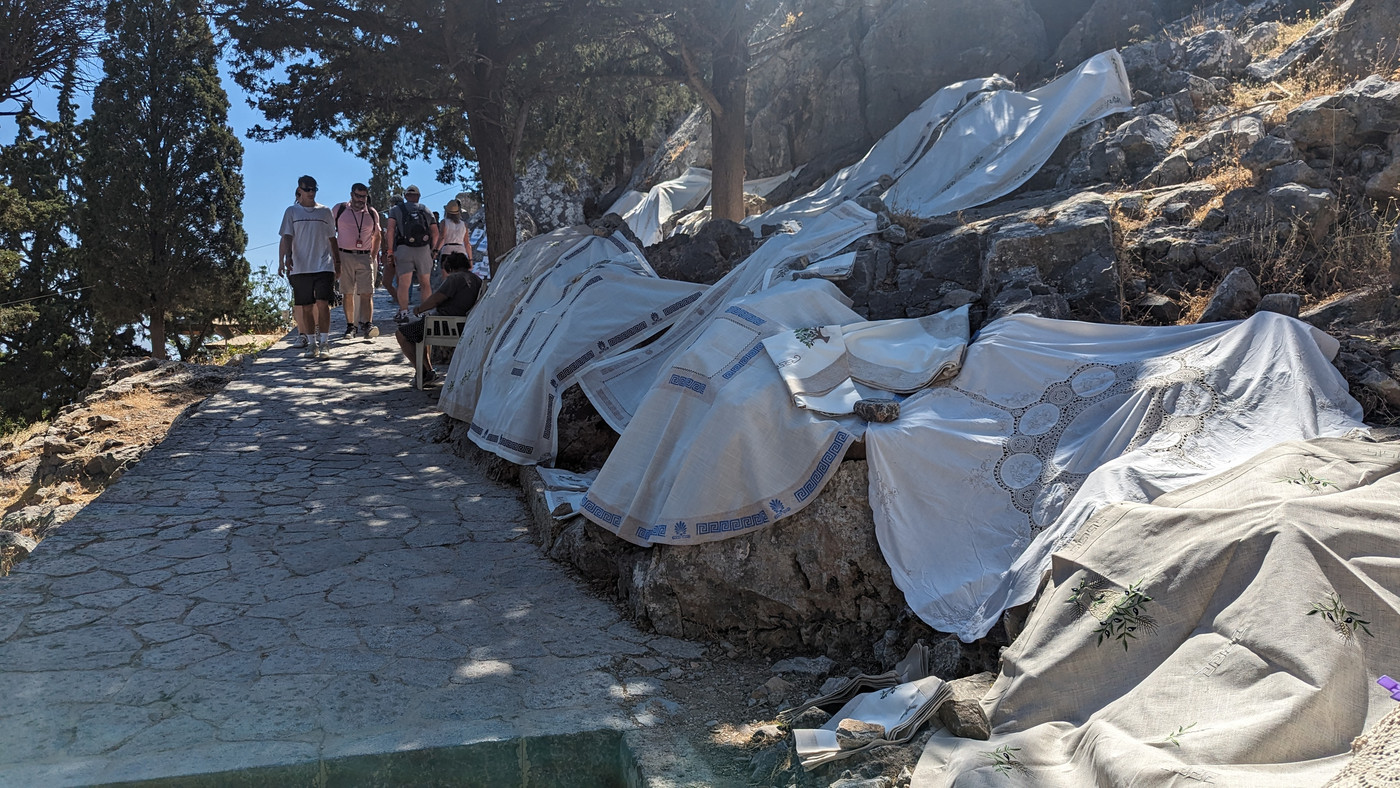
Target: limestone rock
(1215,53)
(878,409)
(23,544)
(1235,297)
(815,580)
(1297,172)
(1107,24)
(852,734)
(1302,51)
(1366,37)
(1385,185)
(774,690)
(962,713)
(1314,209)
(1283,303)
(1021,291)
(704,257)
(916,47)
(1133,149)
(1262,37)
(1269,152)
(1073,252)
(815,667)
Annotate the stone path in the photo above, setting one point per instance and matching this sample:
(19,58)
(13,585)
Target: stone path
(296,574)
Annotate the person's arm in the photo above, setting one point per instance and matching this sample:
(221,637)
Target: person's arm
(433,232)
(391,235)
(284,256)
(431,302)
(374,237)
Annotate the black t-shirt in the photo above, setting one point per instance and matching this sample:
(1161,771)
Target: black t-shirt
(461,289)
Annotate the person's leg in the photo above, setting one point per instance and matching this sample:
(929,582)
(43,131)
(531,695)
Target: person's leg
(302,299)
(405,284)
(348,292)
(425,286)
(303,319)
(391,280)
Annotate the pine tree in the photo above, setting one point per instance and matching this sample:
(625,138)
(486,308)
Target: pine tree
(160,221)
(46,348)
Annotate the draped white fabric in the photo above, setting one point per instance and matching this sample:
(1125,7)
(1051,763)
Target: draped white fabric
(580,312)
(979,480)
(1230,633)
(970,143)
(717,447)
(649,215)
(535,275)
(617,386)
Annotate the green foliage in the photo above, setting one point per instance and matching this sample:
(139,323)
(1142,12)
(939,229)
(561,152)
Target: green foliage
(40,40)
(1004,760)
(160,220)
(1344,621)
(1306,479)
(268,306)
(1174,737)
(46,346)
(1125,617)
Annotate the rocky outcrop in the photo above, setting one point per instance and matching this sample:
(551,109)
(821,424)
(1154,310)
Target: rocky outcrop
(1367,38)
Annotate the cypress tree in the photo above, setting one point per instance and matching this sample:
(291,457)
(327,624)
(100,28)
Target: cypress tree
(160,219)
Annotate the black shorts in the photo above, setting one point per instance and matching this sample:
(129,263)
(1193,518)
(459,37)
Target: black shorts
(307,289)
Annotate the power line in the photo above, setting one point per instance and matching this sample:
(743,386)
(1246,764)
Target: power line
(48,295)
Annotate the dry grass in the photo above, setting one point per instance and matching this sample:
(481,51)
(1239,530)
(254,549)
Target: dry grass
(1226,179)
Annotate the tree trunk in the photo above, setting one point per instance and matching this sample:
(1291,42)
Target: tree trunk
(497,180)
(158,335)
(731,87)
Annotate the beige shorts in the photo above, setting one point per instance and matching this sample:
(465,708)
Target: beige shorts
(356,273)
(413,260)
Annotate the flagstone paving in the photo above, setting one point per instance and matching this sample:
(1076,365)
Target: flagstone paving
(297,574)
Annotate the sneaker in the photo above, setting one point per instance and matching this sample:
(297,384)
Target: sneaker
(313,350)
(401,318)
(349,332)
(326,348)
(300,342)
(368,331)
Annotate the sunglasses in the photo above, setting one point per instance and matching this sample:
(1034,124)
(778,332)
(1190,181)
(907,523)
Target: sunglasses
(311,190)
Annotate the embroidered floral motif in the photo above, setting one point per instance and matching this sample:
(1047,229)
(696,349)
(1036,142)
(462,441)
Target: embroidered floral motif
(1306,479)
(809,336)
(1121,614)
(1004,760)
(1175,736)
(779,509)
(1344,621)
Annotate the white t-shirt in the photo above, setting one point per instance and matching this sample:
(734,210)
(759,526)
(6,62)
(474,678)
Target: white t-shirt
(312,231)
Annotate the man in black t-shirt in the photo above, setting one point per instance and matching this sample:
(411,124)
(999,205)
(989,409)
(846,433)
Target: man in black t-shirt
(455,296)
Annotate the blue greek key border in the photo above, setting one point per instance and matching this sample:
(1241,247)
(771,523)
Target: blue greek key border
(743,361)
(744,314)
(823,466)
(611,518)
(687,383)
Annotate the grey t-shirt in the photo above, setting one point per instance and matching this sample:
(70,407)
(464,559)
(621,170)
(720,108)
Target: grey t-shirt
(461,289)
(312,231)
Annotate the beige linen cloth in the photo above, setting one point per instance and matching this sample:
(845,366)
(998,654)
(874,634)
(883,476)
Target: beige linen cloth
(1230,633)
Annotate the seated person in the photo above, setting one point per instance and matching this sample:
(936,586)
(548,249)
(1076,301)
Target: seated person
(456,296)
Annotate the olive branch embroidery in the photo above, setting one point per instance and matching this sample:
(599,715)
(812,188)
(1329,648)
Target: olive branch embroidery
(1004,760)
(1175,736)
(1120,615)
(1306,479)
(1344,621)
(809,336)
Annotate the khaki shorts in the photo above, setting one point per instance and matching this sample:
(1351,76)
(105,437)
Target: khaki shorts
(413,260)
(356,273)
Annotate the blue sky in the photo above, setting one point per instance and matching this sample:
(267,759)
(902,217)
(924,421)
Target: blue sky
(270,170)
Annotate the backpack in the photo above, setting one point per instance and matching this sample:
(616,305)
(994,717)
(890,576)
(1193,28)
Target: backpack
(412,229)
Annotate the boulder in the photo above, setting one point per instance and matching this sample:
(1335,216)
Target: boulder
(1314,210)
(1021,292)
(1283,303)
(1235,297)
(919,278)
(962,713)
(1108,24)
(1366,38)
(1297,172)
(1269,152)
(704,257)
(915,47)
(1215,53)
(1261,38)
(1132,149)
(1301,52)
(815,580)
(1073,252)
(1150,64)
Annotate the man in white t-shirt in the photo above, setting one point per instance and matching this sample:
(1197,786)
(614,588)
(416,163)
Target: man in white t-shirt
(310,260)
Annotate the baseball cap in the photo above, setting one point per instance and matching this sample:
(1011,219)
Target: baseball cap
(411,190)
